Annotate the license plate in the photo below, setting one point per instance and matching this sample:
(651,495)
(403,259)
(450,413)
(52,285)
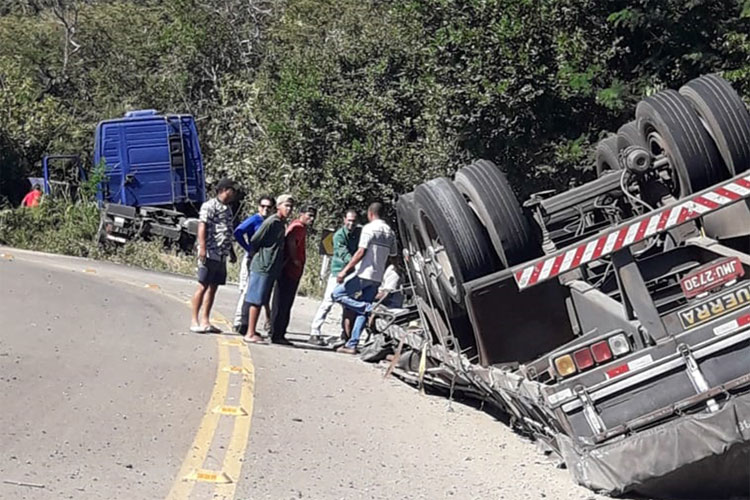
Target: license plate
(713,308)
(711,276)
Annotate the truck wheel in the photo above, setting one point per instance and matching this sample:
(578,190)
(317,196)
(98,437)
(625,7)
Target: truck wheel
(408,229)
(671,127)
(607,155)
(455,240)
(630,135)
(725,116)
(489,194)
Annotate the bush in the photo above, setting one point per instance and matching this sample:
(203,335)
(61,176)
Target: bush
(55,226)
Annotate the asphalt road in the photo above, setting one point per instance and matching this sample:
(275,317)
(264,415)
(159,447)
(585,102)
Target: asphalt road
(103,394)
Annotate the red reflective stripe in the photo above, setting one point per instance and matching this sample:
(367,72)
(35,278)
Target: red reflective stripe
(535,273)
(618,371)
(556,266)
(744,320)
(684,215)
(663,220)
(706,202)
(598,248)
(641,230)
(577,257)
(620,238)
(519,275)
(743,182)
(727,194)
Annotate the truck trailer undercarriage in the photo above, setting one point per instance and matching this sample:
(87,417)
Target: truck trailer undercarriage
(611,322)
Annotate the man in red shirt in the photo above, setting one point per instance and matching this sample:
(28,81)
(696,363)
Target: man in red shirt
(32,197)
(294,265)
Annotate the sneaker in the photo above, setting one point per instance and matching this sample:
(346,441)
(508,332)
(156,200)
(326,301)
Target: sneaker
(346,350)
(317,340)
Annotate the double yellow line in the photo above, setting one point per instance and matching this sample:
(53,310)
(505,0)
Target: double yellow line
(191,470)
(226,479)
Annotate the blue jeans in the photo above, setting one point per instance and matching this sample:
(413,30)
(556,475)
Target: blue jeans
(344,295)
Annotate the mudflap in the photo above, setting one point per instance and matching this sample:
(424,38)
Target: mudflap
(703,455)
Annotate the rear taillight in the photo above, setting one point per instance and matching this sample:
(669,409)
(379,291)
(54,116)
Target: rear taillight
(619,344)
(583,358)
(565,366)
(601,351)
(595,354)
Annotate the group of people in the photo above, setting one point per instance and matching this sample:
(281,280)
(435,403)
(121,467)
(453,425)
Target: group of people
(274,259)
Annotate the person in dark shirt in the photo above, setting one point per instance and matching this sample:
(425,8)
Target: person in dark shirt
(288,280)
(242,234)
(268,242)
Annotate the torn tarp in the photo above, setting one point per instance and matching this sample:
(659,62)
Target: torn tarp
(702,455)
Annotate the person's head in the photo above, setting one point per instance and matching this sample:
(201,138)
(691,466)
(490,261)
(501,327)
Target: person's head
(226,190)
(284,206)
(307,215)
(350,219)
(265,206)
(37,187)
(374,211)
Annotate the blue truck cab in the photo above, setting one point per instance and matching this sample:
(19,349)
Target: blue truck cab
(150,160)
(154,180)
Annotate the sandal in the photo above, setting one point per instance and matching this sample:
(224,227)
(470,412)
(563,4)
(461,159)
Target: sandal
(198,329)
(254,340)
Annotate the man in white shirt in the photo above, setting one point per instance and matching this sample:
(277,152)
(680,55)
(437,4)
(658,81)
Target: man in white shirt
(376,244)
(389,293)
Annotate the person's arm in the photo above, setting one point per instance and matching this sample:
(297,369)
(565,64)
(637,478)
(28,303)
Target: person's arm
(292,244)
(340,249)
(202,241)
(364,242)
(203,217)
(242,232)
(358,256)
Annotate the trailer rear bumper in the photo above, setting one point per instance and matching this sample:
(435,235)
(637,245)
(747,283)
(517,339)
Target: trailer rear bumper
(694,453)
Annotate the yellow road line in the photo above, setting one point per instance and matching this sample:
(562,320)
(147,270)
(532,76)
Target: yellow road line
(181,488)
(234,457)
(191,470)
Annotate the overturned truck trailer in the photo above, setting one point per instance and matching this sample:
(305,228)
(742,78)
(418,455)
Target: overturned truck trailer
(610,321)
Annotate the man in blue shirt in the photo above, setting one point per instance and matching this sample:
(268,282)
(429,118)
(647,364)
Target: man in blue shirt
(243,233)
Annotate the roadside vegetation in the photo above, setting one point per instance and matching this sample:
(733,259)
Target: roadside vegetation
(345,101)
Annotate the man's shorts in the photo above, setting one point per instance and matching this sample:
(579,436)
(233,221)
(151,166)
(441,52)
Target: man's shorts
(212,272)
(259,288)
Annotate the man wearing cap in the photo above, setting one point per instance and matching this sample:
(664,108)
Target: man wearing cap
(214,246)
(287,283)
(268,242)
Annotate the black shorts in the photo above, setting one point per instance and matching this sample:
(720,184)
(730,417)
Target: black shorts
(212,272)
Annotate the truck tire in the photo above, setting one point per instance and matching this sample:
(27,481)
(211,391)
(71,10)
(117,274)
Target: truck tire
(670,126)
(455,239)
(630,135)
(607,155)
(724,114)
(408,228)
(487,189)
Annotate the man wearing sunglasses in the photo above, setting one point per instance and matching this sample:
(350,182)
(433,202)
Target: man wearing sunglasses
(243,233)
